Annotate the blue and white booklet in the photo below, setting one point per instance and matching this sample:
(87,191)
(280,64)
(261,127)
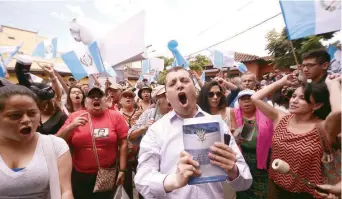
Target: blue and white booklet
(199,134)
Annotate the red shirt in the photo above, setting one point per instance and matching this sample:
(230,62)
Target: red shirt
(303,152)
(108,128)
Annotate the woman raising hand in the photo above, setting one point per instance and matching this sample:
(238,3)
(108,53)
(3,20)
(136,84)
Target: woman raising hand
(296,135)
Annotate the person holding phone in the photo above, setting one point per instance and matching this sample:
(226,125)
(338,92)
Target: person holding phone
(259,130)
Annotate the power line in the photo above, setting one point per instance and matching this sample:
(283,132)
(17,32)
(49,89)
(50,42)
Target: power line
(215,23)
(236,34)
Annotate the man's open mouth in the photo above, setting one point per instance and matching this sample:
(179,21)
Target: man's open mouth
(26,130)
(183,98)
(97,104)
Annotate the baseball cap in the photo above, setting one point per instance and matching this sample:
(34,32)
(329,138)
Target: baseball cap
(95,89)
(115,86)
(128,92)
(158,91)
(245,92)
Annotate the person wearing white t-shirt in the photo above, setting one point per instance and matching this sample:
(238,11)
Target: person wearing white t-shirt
(23,167)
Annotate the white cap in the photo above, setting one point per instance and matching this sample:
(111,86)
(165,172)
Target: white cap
(245,92)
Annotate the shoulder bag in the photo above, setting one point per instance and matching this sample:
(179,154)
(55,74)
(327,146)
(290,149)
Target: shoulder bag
(106,177)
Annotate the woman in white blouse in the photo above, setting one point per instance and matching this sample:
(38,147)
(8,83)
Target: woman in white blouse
(23,167)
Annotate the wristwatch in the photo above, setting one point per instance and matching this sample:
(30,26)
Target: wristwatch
(123,170)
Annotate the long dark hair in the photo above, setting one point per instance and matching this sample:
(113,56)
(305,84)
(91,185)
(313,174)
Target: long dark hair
(203,101)
(320,93)
(70,107)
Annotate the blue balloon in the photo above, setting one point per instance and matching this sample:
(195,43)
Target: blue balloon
(179,59)
(172,45)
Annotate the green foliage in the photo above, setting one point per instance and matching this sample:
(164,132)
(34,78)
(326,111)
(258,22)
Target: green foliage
(196,64)
(161,78)
(199,62)
(167,61)
(279,46)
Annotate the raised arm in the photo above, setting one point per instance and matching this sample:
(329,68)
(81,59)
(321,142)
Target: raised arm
(264,107)
(61,81)
(332,124)
(48,70)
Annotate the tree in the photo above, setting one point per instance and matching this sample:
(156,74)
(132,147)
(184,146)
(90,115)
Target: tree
(199,62)
(280,48)
(167,61)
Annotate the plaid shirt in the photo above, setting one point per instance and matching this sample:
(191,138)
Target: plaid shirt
(143,119)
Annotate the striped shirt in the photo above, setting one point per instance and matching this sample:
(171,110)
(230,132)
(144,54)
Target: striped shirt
(303,152)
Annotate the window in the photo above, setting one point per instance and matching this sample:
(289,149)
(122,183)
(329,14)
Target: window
(11,38)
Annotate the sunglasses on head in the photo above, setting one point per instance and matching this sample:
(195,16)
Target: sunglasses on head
(212,94)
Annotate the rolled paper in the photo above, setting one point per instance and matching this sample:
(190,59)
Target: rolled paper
(281,166)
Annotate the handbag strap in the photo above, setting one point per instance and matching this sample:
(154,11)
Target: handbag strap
(50,157)
(94,143)
(93,140)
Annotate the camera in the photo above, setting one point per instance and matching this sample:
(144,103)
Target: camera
(22,70)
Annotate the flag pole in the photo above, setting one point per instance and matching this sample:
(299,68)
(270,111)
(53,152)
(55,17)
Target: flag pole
(294,53)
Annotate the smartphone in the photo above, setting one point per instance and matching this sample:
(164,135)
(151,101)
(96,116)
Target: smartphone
(227,138)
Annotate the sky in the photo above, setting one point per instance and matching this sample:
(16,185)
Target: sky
(195,24)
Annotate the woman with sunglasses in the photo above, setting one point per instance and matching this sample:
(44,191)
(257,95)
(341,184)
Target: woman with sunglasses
(256,151)
(212,100)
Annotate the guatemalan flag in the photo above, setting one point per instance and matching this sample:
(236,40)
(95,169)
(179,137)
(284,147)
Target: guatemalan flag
(305,18)
(216,58)
(335,59)
(84,60)
(2,69)
(8,52)
(46,49)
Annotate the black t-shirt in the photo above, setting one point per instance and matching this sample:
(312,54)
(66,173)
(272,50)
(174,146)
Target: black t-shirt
(233,94)
(53,124)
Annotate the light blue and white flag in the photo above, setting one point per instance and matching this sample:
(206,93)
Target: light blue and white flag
(140,78)
(46,49)
(335,59)
(202,78)
(84,61)
(2,69)
(145,68)
(109,69)
(8,52)
(305,18)
(241,67)
(216,58)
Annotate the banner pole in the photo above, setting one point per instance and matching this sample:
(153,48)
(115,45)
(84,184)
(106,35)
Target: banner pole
(294,53)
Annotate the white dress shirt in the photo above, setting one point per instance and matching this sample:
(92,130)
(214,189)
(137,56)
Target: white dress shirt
(159,153)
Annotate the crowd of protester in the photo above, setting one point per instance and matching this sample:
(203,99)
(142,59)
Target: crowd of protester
(60,139)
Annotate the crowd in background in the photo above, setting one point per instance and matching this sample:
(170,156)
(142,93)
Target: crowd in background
(295,117)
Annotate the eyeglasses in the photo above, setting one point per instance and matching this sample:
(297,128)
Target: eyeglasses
(212,94)
(309,65)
